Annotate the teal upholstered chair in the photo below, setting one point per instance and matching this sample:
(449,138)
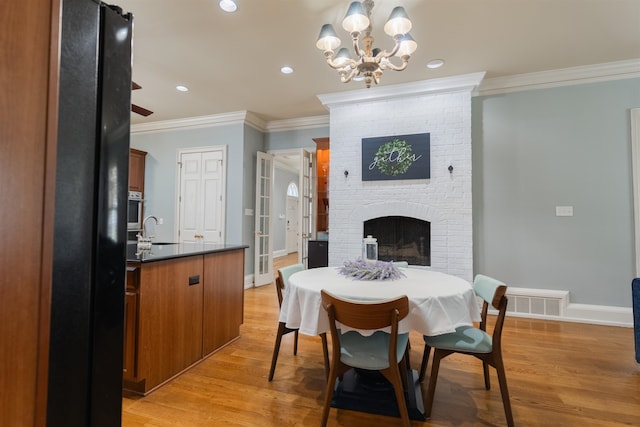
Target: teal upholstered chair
(401,264)
(380,351)
(282,280)
(473,341)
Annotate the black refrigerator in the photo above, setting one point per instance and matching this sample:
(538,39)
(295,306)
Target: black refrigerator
(90,219)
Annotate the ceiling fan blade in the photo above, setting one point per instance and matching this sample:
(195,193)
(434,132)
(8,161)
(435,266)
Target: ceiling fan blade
(139,110)
(136,108)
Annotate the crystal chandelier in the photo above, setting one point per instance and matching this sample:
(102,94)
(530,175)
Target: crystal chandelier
(370,62)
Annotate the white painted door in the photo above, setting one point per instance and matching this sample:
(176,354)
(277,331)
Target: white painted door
(306,207)
(201,199)
(263,267)
(292,224)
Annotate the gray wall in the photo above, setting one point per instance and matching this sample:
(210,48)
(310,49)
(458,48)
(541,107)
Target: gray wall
(301,138)
(538,149)
(161,175)
(532,151)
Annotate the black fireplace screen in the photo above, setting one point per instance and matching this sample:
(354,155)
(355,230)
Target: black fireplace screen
(401,238)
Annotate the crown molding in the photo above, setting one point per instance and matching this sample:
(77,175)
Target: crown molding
(225,119)
(561,77)
(237,117)
(464,82)
(298,124)
(474,82)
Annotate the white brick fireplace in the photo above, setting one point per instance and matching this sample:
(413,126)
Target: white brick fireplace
(440,107)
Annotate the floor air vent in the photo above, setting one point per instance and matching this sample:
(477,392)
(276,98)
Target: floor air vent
(537,302)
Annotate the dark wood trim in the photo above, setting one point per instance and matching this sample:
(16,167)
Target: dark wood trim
(48,219)
(322,143)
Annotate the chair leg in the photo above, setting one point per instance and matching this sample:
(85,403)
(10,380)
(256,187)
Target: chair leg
(327,398)
(276,349)
(425,360)
(325,351)
(504,391)
(295,343)
(487,381)
(435,367)
(404,375)
(407,354)
(337,371)
(394,376)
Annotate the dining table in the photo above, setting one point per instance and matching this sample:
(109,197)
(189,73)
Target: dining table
(438,304)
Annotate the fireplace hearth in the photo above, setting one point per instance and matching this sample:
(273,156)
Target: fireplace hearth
(401,238)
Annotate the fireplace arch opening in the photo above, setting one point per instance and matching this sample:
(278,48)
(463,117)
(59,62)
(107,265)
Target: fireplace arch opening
(401,238)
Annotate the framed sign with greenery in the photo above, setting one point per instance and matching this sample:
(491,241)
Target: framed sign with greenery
(396,157)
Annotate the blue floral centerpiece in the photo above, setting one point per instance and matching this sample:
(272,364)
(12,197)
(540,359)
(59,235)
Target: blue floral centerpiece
(380,270)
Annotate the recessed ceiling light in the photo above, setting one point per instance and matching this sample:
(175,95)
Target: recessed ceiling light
(228,5)
(286,70)
(436,63)
(182,88)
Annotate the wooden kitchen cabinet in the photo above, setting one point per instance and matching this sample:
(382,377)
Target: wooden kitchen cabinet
(223,299)
(170,318)
(130,323)
(322,183)
(137,159)
(178,311)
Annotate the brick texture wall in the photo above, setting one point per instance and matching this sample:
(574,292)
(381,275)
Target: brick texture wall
(444,199)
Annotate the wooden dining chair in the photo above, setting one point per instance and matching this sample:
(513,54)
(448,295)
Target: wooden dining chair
(282,280)
(380,351)
(475,342)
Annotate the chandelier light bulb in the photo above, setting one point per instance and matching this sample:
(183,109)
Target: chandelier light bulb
(356,20)
(369,62)
(328,39)
(342,57)
(398,22)
(407,45)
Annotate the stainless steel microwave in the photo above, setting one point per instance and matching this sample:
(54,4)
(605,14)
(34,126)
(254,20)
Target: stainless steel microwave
(134,211)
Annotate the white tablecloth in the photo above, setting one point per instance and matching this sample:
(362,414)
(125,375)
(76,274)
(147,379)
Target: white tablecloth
(438,302)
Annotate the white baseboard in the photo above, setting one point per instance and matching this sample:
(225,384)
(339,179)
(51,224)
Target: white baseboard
(600,314)
(555,305)
(282,252)
(248,281)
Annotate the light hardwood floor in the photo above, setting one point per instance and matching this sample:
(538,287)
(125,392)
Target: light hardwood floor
(559,374)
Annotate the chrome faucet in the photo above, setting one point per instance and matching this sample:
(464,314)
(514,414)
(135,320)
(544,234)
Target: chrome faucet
(144,242)
(143,233)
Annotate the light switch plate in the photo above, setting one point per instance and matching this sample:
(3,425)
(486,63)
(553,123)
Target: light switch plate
(248,212)
(564,210)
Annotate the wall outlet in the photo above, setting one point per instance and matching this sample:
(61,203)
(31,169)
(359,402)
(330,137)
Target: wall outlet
(564,210)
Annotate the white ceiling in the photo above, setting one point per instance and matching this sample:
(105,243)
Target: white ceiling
(231,62)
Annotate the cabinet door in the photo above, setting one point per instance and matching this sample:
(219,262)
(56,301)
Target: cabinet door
(130,350)
(170,318)
(223,298)
(130,321)
(137,160)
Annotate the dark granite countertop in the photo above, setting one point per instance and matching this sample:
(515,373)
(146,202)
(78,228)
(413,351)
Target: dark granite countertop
(159,252)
